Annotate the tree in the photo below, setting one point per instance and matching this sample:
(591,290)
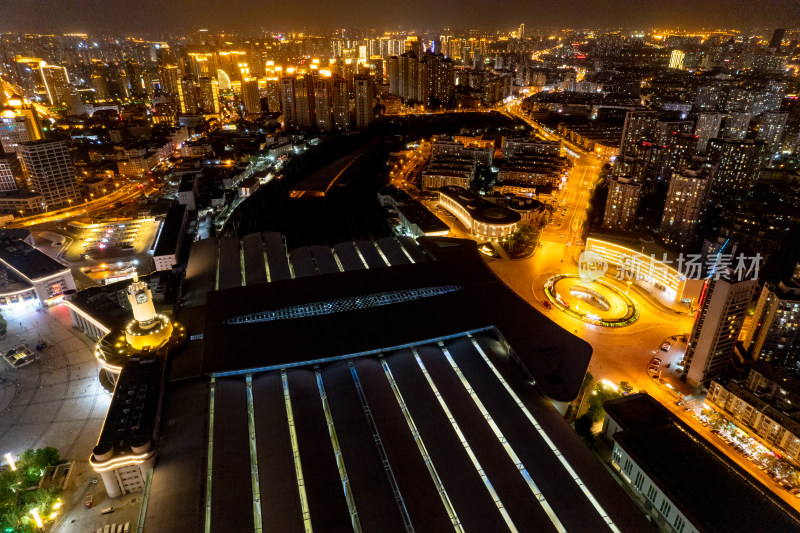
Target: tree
(625,387)
(583,427)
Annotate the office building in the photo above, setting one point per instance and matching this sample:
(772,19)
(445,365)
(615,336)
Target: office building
(777,39)
(364,103)
(707,128)
(251,99)
(209,95)
(50,172)
(639,126)
(676,59)
(622,203)
(10,172)
(722,308)
(686,202)
(187,96)
(774,334)
(56,84)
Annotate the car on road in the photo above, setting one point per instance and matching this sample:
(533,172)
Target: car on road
(656,361)
(666,346)
(547,305)
(89,502)
(653,369)
(107,510)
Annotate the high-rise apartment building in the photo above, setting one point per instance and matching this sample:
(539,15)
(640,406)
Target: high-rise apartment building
(775,331)
(622,203)
(639,126)
(209,95)
(722,308)
(251,99)
(364,103)
(664,130)
(341,104)
(169,78)
(737,124)
(686,202)
(707,128)
(50,172)
(738,164)
(322,104)
(771,131)
(273,95)
(304,99)
(288,103)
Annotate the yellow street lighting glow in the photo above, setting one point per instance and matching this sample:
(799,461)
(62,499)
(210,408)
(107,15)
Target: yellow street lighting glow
(36,517)
(11,461)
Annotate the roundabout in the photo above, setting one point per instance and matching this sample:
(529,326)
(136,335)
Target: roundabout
(595,302)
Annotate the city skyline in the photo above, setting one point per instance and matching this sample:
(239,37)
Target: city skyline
(319,15)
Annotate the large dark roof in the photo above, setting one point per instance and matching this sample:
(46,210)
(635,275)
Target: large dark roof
(389,479)
(170,235)
(556,359)
(711,490)
(27,260)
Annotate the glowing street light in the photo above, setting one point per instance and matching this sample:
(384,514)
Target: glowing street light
(36,517)
(10,461)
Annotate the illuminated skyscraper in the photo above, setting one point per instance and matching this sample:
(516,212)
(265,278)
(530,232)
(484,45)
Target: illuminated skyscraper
(686,202)
(169,77)
(364,103)
(521,31)
(50,172)
(722,308)
(187,96)
(393,74)
(622,203)
(676,59)
(251,97)
(322,104)
(19,123)
(209,95)
(639,126)
(56,83)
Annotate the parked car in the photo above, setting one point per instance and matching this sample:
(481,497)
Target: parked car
(89,502)
(666,346)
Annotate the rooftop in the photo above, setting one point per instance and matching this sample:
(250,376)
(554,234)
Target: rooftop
(556,359)
(478,208)
(28,261)
(170,235)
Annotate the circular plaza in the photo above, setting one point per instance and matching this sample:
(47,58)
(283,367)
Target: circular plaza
(595,302)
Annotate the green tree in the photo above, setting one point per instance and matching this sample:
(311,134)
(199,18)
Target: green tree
(625,387)
(3,325)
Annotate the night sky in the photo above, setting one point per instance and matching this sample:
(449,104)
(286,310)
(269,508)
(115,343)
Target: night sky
(278,15)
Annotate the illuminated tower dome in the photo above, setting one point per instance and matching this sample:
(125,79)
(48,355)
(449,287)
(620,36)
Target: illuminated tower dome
(147,336)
